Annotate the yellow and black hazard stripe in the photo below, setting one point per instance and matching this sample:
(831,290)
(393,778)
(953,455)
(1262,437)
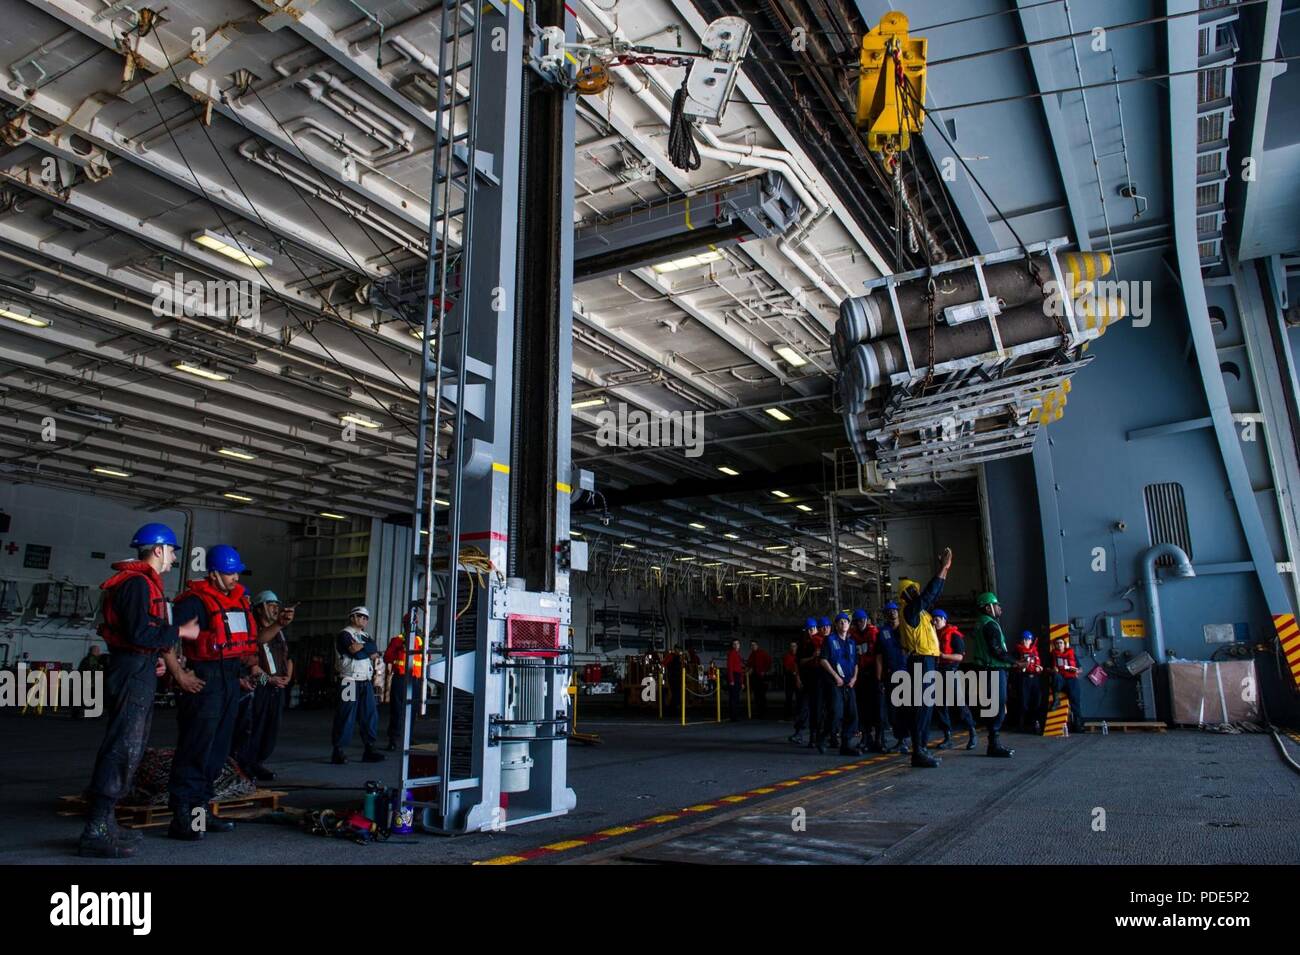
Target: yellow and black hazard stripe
(1059,631)
(1058,717)
(1288,635)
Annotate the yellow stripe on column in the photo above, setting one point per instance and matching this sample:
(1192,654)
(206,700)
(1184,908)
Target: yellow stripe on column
(1057,718)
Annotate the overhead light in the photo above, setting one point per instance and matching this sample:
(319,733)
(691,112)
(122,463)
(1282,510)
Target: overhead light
(239,251)
(684,559)
(441,503)
(778,414)
(688,261)
(199,371)
(236,453)
(716,563)
(111,472)
(851,573)
(575,533)
(16,313)
(353,417)
(732,537)
(90,414)
(790,355)
(332,517)
(317,381)
(244,498)
(698,526)
(804,507)
(587,403)
(627,546)
(823,565)
(775,547)
(729,472)
(781,494)
(655,567)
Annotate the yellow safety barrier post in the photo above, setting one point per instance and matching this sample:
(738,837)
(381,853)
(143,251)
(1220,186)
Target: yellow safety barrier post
(749,703)
(683,695)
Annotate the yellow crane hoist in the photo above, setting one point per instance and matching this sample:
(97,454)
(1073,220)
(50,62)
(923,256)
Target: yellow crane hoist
(891,86)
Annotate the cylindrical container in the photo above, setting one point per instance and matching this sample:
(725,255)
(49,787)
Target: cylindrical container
(370,803)
(404,814)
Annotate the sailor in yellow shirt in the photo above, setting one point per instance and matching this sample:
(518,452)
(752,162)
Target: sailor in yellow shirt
(921,644)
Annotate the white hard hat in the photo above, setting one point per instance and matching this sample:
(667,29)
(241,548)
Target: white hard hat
(359,610)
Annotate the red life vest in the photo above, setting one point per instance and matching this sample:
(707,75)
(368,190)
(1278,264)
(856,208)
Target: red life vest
(1030,655)
(1062,661)
(946,636)
(866,640)
(159,609)
(231,632)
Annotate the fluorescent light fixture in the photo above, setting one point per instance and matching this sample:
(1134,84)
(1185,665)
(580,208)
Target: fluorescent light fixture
(775,547)
(16,313)
(780,494)
(90,414)
(239,251)
(697,525)
(238,497)
(331,516)
(655,567)
(688,261)
(236,453)
(684,559)
(198,371)
(729,472)
(732,537)
(790,355)
(626,546)
(111,472)
(575,533)
(804,507)
(777,413)
(353,417)
(441,503)
(851,573)
(716,563)
(587,403)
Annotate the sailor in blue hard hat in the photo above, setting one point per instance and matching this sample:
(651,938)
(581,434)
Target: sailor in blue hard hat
(209,704)
(839,663)
(806,706)
(137,626)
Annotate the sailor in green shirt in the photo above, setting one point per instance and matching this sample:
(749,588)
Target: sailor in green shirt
(988,651)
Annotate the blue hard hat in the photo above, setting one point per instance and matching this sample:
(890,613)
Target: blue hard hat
(810,623)
(860,614)
(824,621)
(225,560)
(841,616)
(1027,635)
(940,613)
(151,535)
(266,597)
(892,605)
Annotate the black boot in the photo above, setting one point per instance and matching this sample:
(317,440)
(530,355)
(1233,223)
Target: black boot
(100,839)
(372,756)
(182,824)
(338,758)
(216,824)
(970,743)
(923,760)
(946,742)
(997,749)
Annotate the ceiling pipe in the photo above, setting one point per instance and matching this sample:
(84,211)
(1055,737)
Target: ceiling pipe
(1182,568)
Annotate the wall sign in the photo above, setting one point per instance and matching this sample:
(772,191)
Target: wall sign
(1133,628)
(36,557)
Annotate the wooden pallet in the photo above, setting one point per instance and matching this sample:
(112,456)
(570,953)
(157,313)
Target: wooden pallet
(151,817)
(1122,726)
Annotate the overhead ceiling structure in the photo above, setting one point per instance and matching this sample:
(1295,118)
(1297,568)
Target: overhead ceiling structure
(287,147)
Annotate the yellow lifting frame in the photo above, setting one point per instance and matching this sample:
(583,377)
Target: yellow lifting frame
(890,114)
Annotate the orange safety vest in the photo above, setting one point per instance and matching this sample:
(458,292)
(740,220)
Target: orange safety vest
(417,659)
(159,609)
